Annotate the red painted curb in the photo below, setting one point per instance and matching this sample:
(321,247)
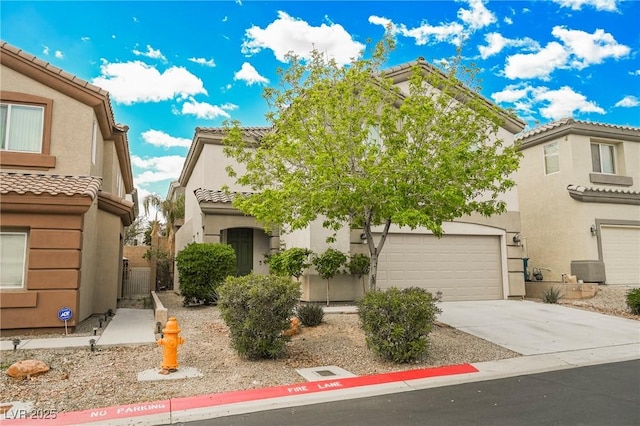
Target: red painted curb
(193,402)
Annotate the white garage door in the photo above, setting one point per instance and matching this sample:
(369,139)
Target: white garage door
(461,267)
(621,254)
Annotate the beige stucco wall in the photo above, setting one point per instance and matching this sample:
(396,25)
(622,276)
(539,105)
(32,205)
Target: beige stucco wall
(72,126)
(108,278)
(555,227)
(88,269)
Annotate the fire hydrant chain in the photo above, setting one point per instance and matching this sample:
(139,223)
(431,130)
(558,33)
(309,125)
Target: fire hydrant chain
(170,341)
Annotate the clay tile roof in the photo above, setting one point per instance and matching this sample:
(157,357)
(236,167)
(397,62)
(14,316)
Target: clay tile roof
(568,122)
(255,132)
(23,183)
(213,196)
(586,189)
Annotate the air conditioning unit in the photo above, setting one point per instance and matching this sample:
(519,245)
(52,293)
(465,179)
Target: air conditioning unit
(589,271)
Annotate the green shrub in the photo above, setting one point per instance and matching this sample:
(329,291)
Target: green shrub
(202,267)
(359,264)
(396,322)
(633,300)
(290,263)
(257,309)
(310,315)
(551,295)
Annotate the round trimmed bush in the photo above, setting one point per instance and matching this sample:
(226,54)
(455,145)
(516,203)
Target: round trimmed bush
(257,309)
(396,322)
(202,268)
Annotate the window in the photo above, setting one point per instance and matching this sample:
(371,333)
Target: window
(551,158)
(94,142)
(25,131)
(13,246)
(21,127)
(603,158)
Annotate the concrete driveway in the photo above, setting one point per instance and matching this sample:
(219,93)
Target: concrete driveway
(531,328)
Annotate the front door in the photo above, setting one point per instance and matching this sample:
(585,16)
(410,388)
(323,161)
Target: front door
(241,239)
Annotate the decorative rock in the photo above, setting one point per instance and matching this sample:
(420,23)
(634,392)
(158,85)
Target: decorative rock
(27,368)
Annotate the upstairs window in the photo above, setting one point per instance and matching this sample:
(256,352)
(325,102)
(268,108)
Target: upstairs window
(21,127)
(603,158)
(551,158)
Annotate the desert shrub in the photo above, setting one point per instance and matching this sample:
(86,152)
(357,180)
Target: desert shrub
(397,322)
(551,295)
(202,267)
(290,262)
(310,315)
(257,309)
(633,300)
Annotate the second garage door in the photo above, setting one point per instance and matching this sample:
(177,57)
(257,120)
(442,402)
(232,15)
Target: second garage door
(462,267)
(621,254)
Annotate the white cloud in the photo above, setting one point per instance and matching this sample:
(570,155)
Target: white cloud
(203,61)
(287,34)
(628,102)
(496,42)
(511,93)
(578,50)
(205,110)
(157,169)
(162,139)
(636,72)
(45,49)
(553,104)
(249,75)
(225,19)
(608,5)
(478,17)
(383,22)
(59,54)
(508,20)
(563,103)
(131,82)
(150,53)
(85,38)
(536,65)
(589,48)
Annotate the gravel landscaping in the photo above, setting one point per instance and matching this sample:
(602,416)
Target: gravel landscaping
(80,379)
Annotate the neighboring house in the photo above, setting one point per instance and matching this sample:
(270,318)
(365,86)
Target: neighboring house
(476,259)
(579,188)
(66,194)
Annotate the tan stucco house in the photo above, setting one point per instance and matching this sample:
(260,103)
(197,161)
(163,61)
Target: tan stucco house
(66,194)
(476,259)
(579,188)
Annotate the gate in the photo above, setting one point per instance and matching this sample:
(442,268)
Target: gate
(136,283)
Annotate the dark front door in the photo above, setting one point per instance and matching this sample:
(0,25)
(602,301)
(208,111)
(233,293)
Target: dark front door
(241,239)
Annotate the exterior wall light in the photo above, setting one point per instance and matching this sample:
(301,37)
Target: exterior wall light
(594,230)
(516,239)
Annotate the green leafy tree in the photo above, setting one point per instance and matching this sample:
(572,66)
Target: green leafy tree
(349,148)
(290,262)
(171,210)
(135,230)
(328,265)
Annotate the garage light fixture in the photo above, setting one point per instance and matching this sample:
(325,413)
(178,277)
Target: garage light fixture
(594,230)
(516,239)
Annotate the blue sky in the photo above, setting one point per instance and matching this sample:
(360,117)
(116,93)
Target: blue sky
(173,66)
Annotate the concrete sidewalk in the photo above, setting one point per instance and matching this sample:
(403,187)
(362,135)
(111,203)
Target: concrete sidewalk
(127,327)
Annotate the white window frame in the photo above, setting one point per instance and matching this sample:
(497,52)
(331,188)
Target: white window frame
(6,143)
(613,157)
(24,261)
(545,156)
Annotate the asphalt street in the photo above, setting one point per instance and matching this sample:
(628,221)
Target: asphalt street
(606,394)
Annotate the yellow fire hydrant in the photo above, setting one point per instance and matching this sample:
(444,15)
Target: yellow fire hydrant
(170,341)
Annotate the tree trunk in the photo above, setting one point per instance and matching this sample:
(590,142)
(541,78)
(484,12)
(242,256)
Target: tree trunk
(327,292)
(373,274)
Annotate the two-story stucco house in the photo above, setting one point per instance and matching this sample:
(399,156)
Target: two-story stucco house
(66,194)
(579,188)
(476,259)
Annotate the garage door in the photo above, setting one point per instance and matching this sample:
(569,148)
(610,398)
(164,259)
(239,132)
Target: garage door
(461,267)
(621,254)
